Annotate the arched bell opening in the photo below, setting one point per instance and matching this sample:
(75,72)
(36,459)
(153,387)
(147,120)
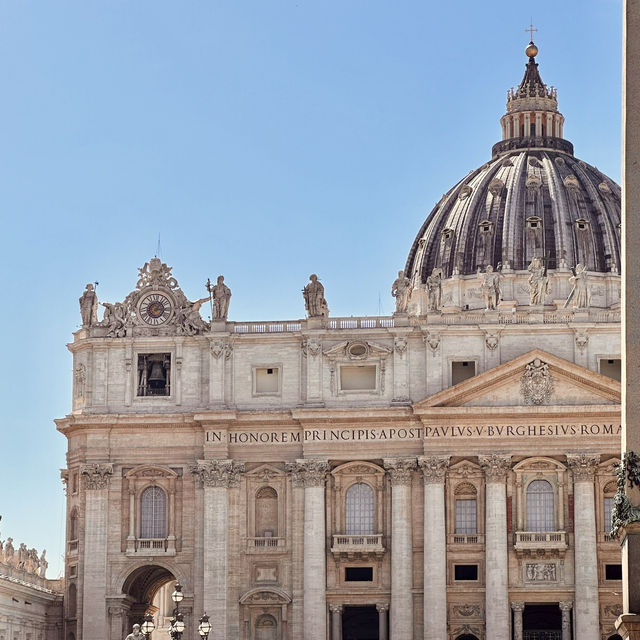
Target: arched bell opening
(147,589)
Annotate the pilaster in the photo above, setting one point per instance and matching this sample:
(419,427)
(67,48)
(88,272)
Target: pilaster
(566,607)
(518,609)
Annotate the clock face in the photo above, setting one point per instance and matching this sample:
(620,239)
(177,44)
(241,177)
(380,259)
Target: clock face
(155,309)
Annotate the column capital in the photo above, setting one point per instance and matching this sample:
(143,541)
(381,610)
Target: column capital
(336,608)
(96,475)
(567,605)
(495,466)
(400,469)
(517,606)
(583,465)
(434,468)
(218,472)
(382,606)
(308,472)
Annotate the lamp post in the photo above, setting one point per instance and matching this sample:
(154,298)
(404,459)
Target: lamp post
(177,622)
(205,626)
(147,626)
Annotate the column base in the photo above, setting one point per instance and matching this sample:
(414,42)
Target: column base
(628,626)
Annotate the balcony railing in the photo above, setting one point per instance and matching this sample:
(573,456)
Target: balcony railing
(540,540)
(266,544)
(151,546)
(542,635)
(352,545)
(465,538)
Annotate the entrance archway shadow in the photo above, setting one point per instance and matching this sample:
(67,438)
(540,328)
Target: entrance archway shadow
(360,623)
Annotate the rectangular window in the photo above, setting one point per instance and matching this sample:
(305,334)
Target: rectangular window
(613,571)
(266,380)
(358,378)
(611,368)
(358,574)
(462,370)
(608,508)
(465,571)
(154,374)
(466,516)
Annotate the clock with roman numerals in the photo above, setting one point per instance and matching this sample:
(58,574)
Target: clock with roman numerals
(155,309)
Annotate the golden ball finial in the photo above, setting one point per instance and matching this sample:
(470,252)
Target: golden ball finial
(531,50)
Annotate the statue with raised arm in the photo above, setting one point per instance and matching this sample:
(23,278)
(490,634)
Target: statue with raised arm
(491,290)
(220,296)
(188,319)
(43,564)
(135,634)
(539,285)
(314,300)
(401,290)
(89,306)
(434,289)
(115,319)
(579,296)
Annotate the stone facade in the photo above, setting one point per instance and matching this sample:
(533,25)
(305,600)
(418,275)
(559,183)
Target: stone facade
(442,473)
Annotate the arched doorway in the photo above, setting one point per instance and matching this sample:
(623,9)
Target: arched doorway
(141,593)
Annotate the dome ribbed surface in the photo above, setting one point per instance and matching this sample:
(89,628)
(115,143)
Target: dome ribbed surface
(529,202)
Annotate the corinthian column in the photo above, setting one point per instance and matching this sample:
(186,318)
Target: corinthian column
(96,478)
(434,469)
(217,476)
(336,621)
(566,607)
(517,608)
(382,608)
(312,473)
(496,588)
(583,467)
(401,470)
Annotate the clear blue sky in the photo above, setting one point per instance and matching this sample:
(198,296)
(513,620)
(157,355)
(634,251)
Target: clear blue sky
(263,140)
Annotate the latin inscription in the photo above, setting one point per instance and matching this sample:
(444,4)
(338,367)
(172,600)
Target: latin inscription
(386,434)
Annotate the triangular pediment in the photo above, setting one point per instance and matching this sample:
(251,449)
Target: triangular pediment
(536,378)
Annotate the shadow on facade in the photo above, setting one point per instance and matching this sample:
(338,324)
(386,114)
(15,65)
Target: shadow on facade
(360,623)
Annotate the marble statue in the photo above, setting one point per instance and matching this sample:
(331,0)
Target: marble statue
(401,290)
(44,564)
(188,319)
(434,289)
(491,291)
(115,318)
(89,306)
(9,552)
(220,294)
(314,300)
(538,282)
(579,295)
(135,634)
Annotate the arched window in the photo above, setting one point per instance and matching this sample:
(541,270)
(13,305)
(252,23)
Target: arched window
(73,597)
(153,513)
(466,509)
(73,525)
(540,506)
(266,512)
(359,509)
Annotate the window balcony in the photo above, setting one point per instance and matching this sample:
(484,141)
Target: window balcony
(540,541)
(357,545)
(151,547)
(72,547)
(465,538)
(266,544)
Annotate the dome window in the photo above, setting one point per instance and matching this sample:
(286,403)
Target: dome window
(604,188)
(533,183)
(534,222)
(447,234)
(571,182)
(582,224)
(496,186)
(465,192)
(486,226)
(560,162)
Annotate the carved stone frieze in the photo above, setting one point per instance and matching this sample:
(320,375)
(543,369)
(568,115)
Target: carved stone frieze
(79,380)
(466,611)
(96,475)
(218,472)
(537,383)
(495,466)
(433,341)
(492,342)
(582,340)
(517,606)
(221,348)
(611,610)
(400,470)
(382,606)
(583,465)
(336,608)
(311,347)
(308,472)
(541,572)
(400,346)
(628,476)
(434,468)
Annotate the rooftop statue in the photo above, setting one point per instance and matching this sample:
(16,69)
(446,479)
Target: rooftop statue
(434,289)
(539,285)
(220,296)
(579,296)
(401,290)
(314,300)
(188,318)
(89,306)
(491,290)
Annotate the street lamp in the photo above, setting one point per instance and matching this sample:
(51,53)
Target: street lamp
(147,626)
(177,622)
(205,626)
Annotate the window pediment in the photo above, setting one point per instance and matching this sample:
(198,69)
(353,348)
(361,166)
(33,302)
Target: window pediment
(151,471)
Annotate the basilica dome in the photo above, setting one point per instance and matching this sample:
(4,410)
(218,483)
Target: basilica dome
(534,198)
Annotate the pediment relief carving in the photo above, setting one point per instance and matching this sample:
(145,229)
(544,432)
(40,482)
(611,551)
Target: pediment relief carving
(264,596)
(539,464)
(357,350)
(357,469)
(149,471)
(265,472)
(465,469)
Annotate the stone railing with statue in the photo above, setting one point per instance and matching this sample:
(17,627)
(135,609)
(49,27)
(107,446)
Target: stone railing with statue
(21,563)
(500,295)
